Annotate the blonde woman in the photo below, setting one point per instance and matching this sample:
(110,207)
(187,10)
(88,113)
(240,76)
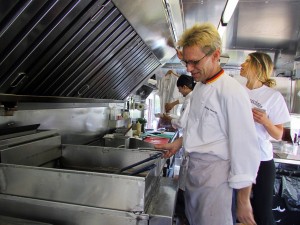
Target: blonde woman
(269,113)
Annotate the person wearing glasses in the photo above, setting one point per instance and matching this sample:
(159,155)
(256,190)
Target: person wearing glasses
(270,112)
(219,138)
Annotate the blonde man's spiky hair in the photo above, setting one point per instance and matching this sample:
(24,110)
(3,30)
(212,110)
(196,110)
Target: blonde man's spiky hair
(203,35)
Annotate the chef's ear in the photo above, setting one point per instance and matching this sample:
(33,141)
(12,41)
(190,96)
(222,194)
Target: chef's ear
(216,55)
(179,54)
(185,87)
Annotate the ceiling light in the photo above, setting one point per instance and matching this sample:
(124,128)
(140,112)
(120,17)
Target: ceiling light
(228,11)
(221,29)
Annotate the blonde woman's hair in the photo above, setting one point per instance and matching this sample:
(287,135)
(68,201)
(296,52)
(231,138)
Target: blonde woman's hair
(263,65)
(204,35)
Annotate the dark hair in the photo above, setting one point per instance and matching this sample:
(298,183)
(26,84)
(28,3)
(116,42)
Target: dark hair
(186,80)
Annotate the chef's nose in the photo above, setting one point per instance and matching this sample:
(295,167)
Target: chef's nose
(189,67)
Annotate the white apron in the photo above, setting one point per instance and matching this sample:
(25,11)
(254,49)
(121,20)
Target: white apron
(208,197)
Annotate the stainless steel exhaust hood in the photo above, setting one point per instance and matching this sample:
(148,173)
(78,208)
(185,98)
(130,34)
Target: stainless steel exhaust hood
(83,49)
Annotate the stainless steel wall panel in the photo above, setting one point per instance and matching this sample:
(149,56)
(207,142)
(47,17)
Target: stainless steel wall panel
(79,124)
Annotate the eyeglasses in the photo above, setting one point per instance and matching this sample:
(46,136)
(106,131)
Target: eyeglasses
(192,62)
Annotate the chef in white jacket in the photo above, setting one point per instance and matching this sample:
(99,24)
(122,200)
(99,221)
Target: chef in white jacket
(220,136)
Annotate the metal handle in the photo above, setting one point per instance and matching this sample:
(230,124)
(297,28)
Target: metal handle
(153,149)
(144,169)
(83,90)
(18,80)
(97,14)
(155,156)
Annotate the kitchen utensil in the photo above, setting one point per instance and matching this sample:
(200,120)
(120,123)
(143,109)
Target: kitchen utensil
(146,168)
(155,156)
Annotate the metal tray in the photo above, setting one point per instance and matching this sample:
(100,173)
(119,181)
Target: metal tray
(85,175)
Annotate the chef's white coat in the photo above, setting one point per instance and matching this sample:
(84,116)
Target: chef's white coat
(221,140)
(220,123)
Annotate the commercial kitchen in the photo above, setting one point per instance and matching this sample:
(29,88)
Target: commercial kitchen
(80,104)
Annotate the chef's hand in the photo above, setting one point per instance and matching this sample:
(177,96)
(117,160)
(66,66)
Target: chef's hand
(244,210)
(169,106)
(245,215)
(169,149)
(166,117)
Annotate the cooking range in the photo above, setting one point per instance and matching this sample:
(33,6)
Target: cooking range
(43,180)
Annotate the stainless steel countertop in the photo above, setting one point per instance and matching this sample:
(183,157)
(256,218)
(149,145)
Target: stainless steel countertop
(281,156)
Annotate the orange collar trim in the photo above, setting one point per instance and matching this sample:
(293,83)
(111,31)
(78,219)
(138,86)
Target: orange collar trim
(215,77)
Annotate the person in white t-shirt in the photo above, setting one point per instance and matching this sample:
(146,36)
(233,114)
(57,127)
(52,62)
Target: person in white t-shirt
(270,112)
(185,86)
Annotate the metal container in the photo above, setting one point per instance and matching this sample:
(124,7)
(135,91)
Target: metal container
(31,149)
(86,175)
(160,210)
(133,143)
(45,181)
(115,141)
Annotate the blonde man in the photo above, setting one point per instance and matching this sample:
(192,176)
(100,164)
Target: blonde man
(220,136)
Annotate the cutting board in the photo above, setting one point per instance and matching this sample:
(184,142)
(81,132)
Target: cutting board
(156,140)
